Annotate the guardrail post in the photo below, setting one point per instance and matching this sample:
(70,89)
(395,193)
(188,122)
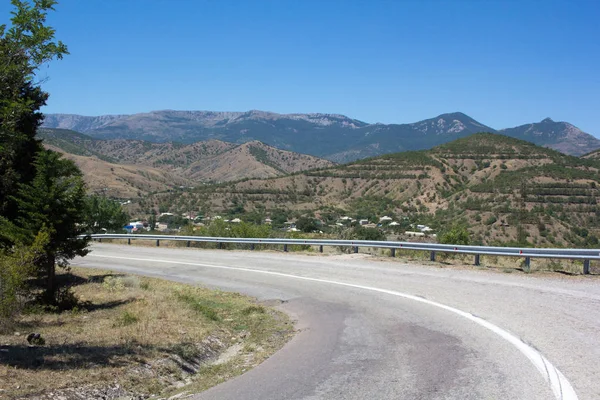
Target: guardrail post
(476,263)
(527,267)
(320,248)
(432,256)
(285,248)
(157,242)
(99,240)
(251,246)
(392,252)
(355,248)
(128,240)
(219,245)
(586,267)
(189,243)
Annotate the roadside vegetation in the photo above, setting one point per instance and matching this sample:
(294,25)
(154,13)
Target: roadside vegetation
(69,333)
(134,336)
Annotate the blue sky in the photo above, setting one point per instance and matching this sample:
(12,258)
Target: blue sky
(504,63)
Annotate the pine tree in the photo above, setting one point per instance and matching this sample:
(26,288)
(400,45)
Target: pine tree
(54,202)
(39,191)
(24,48)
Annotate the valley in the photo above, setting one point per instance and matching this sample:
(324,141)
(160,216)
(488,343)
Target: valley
(505,191)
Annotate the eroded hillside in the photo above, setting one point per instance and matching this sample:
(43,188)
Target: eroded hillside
(506,190)
(171,165)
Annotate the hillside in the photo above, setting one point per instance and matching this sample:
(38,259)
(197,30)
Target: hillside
(505,189)
(123,181)
(173,164)
(331,136)
(594,155)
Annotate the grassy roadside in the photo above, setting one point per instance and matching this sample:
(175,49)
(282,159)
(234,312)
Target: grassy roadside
(136,337)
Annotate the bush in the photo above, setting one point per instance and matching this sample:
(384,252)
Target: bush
(456,235)
(113,284)
(66,300)
(15,267)
(296,247)
(362,233)
(491,220)
(131,281)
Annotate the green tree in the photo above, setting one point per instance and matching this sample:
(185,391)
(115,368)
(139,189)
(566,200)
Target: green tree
(307,224)
(24,48)
(39,191)
(54,202)
(102,214)
(174,221)
(151,220)
(279,217)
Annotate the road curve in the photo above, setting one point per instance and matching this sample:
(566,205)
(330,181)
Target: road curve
(378,329)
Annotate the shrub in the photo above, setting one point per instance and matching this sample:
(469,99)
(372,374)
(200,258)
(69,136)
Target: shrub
(131,281)
(145,285)
(362,233)
(492,219)
(15,267)
(126,318)
(456,235)
(297,247)
(113,284)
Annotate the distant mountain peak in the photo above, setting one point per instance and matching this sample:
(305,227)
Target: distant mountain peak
(548,120)
(455,115)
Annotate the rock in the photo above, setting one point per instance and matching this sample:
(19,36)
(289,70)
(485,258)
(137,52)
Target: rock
(35,339)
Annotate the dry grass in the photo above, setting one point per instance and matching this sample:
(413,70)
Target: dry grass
(163,166)
(122,180)
(147,336)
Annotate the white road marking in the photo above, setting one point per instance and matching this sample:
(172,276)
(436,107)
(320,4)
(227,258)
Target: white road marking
(560,385)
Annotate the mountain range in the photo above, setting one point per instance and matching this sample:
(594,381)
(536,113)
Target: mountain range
(334,137)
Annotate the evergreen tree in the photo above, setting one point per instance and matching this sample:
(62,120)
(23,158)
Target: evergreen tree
(39,191)
(53,202)
(24,48)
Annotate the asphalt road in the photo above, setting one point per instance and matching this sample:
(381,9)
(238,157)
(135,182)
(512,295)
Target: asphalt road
(378,329)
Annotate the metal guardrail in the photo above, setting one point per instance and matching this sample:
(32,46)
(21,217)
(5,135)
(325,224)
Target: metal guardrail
(527,253)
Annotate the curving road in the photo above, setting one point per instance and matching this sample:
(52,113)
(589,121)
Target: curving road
(378,329)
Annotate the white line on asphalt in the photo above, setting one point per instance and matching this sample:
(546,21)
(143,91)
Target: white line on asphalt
(560,385)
